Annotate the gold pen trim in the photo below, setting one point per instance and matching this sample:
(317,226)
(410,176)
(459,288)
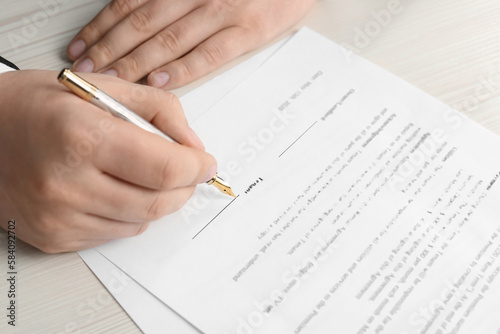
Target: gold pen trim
(220,184)
(77,85)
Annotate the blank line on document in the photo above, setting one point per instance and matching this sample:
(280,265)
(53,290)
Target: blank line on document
(217,215)
(309,128)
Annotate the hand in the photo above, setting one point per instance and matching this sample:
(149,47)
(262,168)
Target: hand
(177,41)
(74,177)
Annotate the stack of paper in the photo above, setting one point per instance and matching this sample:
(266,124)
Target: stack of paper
(364,206)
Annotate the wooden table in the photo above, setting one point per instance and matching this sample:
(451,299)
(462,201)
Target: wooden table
(448,48)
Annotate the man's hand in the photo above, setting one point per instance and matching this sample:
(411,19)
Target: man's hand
(75,177)
(174,42)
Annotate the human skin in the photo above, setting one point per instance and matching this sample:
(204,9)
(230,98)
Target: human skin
(173,42)
(74,177)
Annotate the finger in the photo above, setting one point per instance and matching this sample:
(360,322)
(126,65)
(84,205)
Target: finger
(87,244)
(206,57)
(161,108)
(77,231)
(109,16)
(132,31)
(69,245)
(148,160)
(88,227)
(114,199)
(169,44)
(95,228)
(92,232)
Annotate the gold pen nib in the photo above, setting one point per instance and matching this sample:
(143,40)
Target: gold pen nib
(220,184)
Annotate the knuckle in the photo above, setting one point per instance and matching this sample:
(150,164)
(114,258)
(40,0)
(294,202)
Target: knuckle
(104,50)
(168,40)
(92,30)
(156,209)
(166,98)
(141,21)
(130,65)
(212,54)
(184,71)
(48,189)
(122,7)
(169,171)
(142,228)
(224,5)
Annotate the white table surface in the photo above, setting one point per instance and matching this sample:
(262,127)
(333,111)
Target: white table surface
(448,48)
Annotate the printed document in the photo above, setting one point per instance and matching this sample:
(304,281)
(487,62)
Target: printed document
(364,206)
(158,317)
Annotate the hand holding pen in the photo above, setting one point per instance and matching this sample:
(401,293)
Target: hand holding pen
(76,177)
(97,97)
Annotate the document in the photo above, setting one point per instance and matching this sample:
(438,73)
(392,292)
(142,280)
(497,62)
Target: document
(158,317)
(364,206)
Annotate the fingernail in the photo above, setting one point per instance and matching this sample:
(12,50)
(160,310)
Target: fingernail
(111,72)
(196,139)
(85,66)
(77,48)
(160,79)
(211,173)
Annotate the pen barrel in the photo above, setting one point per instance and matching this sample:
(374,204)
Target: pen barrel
(109,104)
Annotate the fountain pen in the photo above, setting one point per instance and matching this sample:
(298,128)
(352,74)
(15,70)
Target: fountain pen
(92,94)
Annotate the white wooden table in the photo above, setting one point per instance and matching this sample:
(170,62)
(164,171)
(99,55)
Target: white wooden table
(448,48)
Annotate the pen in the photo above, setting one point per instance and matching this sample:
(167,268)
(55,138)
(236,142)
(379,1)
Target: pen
(97,97)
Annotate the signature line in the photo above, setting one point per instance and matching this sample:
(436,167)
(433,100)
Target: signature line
(309,128)
(204,227)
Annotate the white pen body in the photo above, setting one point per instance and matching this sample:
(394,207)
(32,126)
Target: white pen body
(109,104)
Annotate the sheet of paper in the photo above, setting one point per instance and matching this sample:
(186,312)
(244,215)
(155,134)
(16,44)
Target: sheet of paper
(158,317)
(149,313)
(364,205)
